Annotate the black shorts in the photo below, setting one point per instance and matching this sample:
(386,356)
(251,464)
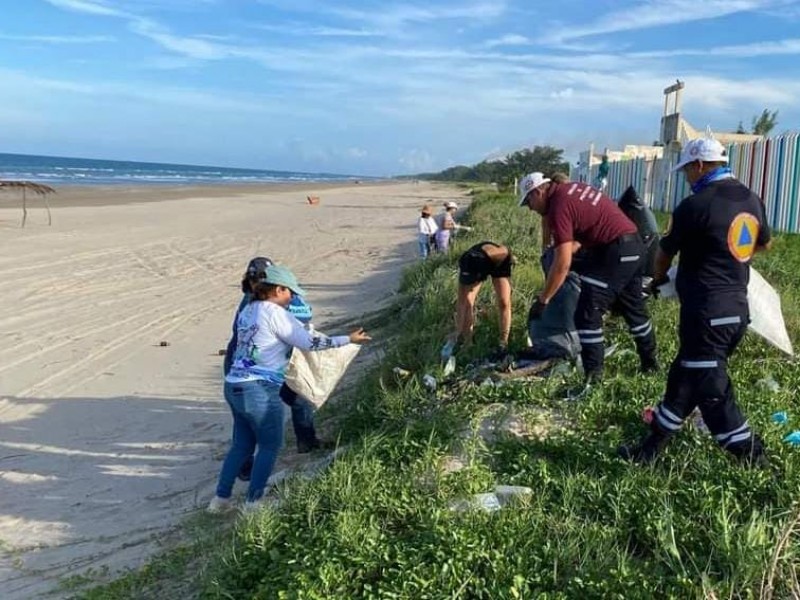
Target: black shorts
(475,266)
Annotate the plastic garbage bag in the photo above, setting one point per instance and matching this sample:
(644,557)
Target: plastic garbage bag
(766,316)
(314,375)
(553,335)
(780,417)
(645,221)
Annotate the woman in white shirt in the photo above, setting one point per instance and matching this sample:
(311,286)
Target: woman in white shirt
(266,334)
(426,231)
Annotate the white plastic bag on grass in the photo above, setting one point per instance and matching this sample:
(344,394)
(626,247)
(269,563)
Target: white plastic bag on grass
(766,316)
(314,375)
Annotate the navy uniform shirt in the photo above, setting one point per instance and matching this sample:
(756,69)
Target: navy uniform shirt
(716,232)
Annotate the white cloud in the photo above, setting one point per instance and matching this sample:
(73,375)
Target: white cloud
(657,13)
(510,39)
(58,39)
(770,48)
(92,7)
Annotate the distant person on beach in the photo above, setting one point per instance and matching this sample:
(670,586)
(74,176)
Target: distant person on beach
(476,265)
(610,271)
(266,333)
(426,232)
(447,226)
(602,174)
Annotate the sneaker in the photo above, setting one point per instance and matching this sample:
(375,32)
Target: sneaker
(219,505)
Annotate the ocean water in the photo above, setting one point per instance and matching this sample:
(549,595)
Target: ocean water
(86,171)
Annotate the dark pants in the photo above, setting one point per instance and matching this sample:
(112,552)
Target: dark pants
(302,416)
(710,331)
(612,275)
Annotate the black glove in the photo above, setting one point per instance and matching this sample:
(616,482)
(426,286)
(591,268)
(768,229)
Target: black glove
(537,310)
(652,288)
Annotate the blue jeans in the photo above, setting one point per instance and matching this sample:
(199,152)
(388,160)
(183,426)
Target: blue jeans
(257,423)
(424,244)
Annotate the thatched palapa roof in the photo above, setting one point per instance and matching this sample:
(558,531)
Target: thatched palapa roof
(28,186)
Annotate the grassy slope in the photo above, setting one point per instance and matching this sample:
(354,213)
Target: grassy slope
(377,524)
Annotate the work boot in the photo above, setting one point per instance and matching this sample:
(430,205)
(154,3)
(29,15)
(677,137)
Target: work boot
(645,451)
(751,454)
(648,365)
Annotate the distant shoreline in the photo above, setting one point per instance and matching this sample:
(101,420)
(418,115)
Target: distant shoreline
(82,195)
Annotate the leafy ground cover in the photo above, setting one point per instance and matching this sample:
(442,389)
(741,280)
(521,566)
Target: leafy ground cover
(379,524)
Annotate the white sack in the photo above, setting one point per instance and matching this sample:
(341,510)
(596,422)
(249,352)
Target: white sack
(766,316)
(314,375)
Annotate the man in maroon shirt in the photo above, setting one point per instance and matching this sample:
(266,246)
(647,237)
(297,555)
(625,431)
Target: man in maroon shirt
(581,217)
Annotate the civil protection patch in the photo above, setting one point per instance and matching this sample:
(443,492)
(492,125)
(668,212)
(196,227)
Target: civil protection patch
(742,236)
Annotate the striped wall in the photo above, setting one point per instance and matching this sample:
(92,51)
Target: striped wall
(770,167)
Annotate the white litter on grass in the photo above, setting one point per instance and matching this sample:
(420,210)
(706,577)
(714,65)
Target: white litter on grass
(768,383)
(766,316)
(450,366)
(502,496)
(429,381)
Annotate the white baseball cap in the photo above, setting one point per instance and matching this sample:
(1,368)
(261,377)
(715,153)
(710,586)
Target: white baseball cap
(528,183)
(450,204)
(703,149)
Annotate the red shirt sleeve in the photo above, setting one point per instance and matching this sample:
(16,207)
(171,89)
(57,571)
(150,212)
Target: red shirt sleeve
(560,220)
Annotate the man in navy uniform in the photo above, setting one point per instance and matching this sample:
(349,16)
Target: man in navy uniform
(579,216)
(716,231)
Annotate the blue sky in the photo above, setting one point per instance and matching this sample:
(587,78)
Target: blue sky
(380,87)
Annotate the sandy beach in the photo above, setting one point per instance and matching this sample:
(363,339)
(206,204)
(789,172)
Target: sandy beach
(107,439)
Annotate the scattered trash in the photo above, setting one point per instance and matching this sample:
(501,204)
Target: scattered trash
(447,350)
(400,372)
(222,351)
(507,493)
(610,350)
(780,418)
(163,344)
(648,414)
(486,502)
(429,381)
(769,384)
(487,382)
(450,366)
(793,438)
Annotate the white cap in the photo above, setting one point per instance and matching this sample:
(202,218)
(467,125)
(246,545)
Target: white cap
(703,149)
(450,204)
(530,182)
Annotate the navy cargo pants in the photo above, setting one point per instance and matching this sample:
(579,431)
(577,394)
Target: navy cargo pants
(612,275)
(710,330)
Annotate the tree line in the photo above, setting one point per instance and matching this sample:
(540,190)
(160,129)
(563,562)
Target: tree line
(546,159)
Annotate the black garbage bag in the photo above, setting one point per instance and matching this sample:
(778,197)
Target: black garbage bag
(553,335)
(638,212)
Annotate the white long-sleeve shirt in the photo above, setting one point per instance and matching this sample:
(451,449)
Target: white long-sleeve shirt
(266,334)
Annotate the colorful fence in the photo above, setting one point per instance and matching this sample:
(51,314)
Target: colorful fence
(770,167)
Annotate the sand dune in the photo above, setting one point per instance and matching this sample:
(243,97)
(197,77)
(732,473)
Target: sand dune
(106,438)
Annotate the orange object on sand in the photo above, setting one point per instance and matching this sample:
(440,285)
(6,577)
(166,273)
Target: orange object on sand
(312,199)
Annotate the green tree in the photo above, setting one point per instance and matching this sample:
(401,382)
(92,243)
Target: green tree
(546,159)
(740,128)
(764,123)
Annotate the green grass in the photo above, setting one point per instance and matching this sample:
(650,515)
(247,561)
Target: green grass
(377,524)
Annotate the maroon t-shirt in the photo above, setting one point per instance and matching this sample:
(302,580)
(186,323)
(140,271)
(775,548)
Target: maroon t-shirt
(578,212)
